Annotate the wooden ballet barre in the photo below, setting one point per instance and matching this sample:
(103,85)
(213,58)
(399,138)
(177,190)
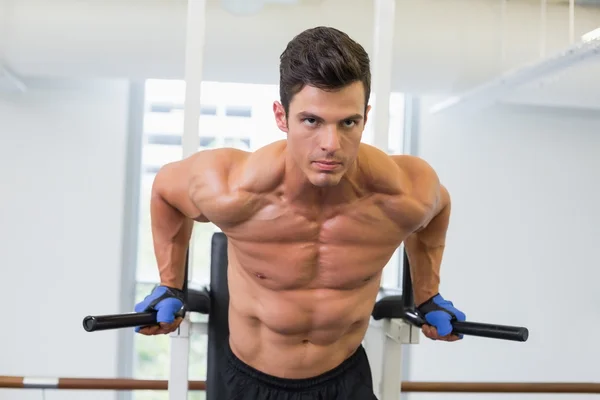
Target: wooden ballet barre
(501,387)
(19,382)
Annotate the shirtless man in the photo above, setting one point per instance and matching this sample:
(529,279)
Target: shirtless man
(311,221)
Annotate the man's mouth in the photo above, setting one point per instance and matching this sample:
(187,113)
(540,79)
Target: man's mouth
(327,165)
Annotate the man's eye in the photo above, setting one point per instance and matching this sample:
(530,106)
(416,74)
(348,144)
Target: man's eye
(350,123)
(309,121)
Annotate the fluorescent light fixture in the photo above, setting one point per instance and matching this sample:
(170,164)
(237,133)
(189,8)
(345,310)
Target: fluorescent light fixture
(243,7)
(250,7)
(591,36)
(491,91)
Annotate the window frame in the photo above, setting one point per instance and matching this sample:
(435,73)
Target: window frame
(129,252)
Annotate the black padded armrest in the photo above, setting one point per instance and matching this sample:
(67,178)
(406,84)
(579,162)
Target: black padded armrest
(218,320)
(198,300)
(388,304)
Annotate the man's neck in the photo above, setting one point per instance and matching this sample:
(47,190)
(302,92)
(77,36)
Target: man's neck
(299,190)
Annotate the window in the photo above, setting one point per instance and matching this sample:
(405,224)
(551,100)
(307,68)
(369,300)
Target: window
(233,111)
(392,276)
(168,107)
(248,124)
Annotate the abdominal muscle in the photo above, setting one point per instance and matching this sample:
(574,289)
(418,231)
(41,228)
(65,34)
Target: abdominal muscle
(295,333)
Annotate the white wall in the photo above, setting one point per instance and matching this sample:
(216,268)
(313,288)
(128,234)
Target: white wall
(62,157)
(522,246)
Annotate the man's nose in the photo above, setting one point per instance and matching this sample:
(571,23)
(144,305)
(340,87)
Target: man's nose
(330,139)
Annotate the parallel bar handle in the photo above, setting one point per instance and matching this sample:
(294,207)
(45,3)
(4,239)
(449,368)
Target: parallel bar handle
(118,321)
(492,331)
(514,333)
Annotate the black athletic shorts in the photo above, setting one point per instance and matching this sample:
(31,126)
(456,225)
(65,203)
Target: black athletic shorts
(350,380)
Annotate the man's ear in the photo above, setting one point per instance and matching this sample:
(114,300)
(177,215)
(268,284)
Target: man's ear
(280,116)
(367,114)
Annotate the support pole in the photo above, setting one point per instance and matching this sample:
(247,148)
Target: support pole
(382,62)
(6,7)
(571,22)
(503,30)
(383,49)
(194,63)
(396,334)
(194,57)
(543,23)
(179,368)
(384,343)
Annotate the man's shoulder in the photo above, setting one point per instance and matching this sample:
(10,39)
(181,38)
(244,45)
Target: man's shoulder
(400,166)
(406,162)
(424,181)
(263,169)
(253,171)
(414,167)
(407,174)
(223,157)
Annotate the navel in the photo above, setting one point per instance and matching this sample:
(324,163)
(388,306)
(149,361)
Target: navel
(259,275)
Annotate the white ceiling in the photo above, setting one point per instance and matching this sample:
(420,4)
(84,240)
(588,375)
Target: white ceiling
(440,47)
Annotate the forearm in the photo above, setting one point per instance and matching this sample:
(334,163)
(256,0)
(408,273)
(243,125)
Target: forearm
(171,231)
(425,249)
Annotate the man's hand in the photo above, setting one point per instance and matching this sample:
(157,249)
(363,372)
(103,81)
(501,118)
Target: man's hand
(439,314)
(168,302)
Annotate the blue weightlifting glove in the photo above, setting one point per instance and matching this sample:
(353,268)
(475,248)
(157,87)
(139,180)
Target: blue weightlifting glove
(166,301)
(440,313)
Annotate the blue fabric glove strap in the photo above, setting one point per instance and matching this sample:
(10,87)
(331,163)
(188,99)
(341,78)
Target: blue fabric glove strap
(440,313)
(165,300)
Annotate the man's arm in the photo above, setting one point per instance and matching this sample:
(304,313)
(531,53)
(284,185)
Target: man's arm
(179,191)
(425,246)
(425,249)
(172,214)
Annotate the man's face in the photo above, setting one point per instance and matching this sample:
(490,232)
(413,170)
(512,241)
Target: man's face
(324,130)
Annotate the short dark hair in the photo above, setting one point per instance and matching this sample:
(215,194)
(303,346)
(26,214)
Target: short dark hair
(325,58)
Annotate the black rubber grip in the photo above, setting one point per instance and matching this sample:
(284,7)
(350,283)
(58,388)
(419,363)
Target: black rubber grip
(118,321)
(515,333)
(492,331)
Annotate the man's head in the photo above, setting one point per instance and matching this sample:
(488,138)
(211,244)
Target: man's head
(325,84)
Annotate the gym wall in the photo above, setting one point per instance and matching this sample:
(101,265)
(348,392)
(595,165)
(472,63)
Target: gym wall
(521,246)
(61,212)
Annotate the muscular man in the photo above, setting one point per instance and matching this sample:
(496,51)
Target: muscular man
(311,221)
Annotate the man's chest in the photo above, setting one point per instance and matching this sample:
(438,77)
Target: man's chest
(331,247)
(365,221)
